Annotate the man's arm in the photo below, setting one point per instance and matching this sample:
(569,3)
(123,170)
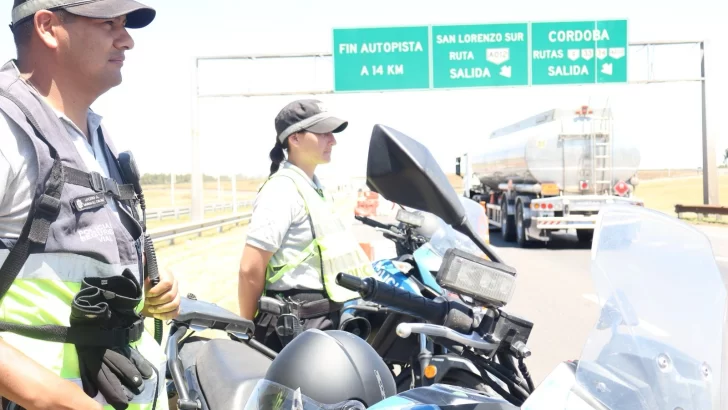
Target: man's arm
(34,387)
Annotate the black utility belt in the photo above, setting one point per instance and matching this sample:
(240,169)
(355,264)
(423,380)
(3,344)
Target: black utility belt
(306,303)
(79,335)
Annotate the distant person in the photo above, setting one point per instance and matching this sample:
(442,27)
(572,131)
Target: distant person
(70,237)
(296,244)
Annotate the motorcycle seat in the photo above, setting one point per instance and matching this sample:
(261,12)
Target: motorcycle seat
(228,372)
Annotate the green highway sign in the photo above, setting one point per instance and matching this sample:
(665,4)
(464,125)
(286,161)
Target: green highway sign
(386,58)
(579,52)
(480,55)
(612,52)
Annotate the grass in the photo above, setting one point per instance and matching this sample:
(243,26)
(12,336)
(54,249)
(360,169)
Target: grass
(160,196)
(156,223)
(662,195)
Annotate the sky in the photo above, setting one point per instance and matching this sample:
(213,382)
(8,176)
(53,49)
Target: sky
(150,112)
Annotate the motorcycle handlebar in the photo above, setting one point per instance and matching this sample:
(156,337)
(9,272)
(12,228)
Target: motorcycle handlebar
(371,222)
(432,310)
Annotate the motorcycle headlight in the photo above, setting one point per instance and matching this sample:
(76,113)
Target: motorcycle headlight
(487,282)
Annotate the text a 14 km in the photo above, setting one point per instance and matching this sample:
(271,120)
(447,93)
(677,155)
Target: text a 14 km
(382,69)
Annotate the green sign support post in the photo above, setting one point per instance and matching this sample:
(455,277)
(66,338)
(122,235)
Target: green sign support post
(482,55)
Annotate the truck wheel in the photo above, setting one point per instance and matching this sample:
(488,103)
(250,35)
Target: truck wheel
(585,235)
(521,227)
(508,223)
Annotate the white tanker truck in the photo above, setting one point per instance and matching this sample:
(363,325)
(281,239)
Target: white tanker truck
(551,172)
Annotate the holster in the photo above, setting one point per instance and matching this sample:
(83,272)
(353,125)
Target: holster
(299,307)
(115,370)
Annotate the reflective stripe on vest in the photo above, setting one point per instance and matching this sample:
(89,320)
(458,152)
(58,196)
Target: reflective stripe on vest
(76,244)
(333,242)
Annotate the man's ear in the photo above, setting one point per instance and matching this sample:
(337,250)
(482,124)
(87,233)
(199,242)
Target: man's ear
(45,26)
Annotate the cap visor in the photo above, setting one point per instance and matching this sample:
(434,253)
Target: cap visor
(331,124)
(137,14)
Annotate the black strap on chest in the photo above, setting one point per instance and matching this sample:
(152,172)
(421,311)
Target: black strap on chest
(100,184)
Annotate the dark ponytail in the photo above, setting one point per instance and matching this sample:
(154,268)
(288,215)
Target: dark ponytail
(276,156)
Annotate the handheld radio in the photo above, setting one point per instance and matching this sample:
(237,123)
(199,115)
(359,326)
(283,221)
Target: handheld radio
(130,173)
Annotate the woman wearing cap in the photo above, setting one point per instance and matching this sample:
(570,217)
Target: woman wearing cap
(296,244)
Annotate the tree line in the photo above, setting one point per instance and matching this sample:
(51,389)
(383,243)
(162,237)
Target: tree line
(156,179)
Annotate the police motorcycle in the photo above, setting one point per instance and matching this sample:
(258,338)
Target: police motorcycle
(389,160)
(422,240)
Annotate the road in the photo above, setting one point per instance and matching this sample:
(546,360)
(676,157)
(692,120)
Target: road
(554,289)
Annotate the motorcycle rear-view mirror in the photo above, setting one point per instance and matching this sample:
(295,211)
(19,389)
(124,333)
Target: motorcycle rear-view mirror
(404,171)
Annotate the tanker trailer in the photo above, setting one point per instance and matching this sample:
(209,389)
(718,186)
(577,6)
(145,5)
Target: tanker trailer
(550,173)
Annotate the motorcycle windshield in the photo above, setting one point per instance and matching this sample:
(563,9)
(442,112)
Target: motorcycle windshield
(269,395)
(658,342)
(445,237)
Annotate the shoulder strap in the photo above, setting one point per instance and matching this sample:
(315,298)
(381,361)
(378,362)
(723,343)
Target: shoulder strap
(43,211)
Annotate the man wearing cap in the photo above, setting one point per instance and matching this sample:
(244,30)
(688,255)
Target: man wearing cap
(296,244)
(72,285)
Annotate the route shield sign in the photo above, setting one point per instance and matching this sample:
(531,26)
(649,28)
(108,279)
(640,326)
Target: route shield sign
(480,55)
(383,58)
(581,52)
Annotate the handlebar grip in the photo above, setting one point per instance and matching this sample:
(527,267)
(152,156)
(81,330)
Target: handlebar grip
(370,289)
(351,282)
(372,222)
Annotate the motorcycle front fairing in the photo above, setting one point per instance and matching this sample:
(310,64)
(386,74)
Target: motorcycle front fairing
(658,342)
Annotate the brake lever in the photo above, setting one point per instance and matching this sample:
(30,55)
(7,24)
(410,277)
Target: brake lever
(388,232)
(404,330)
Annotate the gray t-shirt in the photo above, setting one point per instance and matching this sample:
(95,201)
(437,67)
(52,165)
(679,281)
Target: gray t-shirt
(281,225)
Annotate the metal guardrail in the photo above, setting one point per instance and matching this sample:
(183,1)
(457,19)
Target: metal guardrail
(169,234)
(166,213)
(702,210)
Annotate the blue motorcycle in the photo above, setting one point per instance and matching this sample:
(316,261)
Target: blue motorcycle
(420,254)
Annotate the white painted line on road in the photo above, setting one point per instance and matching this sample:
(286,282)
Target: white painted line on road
(642,323)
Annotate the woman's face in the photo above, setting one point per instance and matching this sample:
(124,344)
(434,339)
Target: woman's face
(314,148)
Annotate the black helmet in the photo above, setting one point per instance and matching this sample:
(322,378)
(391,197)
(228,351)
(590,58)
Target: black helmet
(333,366)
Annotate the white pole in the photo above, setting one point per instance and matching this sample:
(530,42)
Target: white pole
(235,193)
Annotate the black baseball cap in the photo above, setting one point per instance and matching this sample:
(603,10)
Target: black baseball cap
(137,15)
(309,115)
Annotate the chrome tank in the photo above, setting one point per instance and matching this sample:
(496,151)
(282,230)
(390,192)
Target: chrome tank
(555,147)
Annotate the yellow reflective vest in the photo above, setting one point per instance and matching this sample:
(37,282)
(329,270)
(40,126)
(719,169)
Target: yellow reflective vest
(333,242)
(71,233)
